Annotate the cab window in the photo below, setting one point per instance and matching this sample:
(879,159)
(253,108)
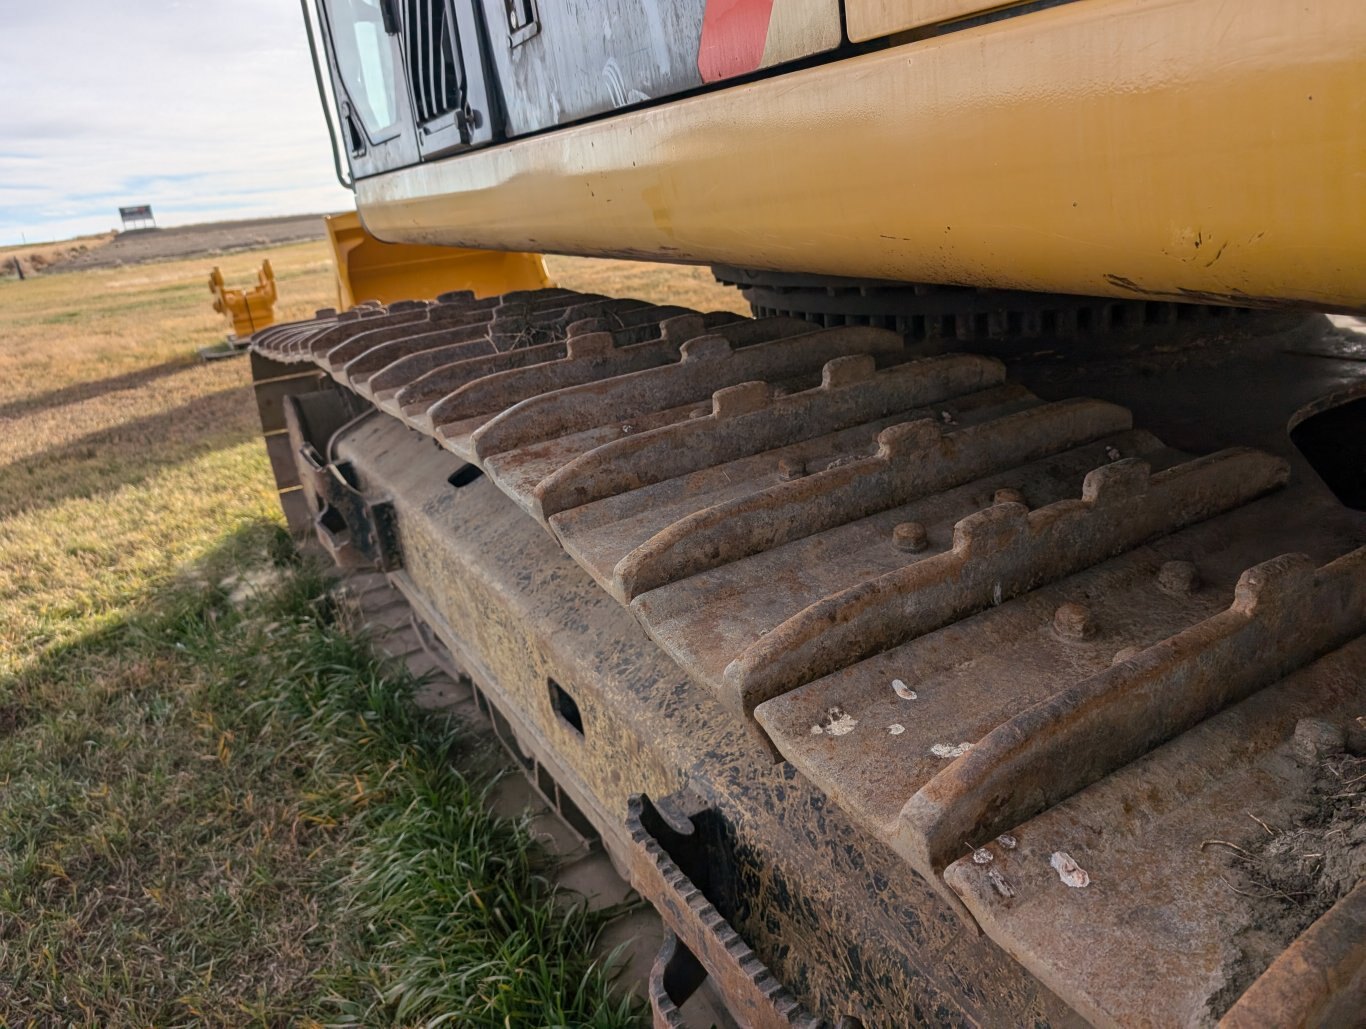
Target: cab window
(365,63)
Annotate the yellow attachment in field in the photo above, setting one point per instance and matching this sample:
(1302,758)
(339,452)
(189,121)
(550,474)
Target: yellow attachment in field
(247,310)
(368,269)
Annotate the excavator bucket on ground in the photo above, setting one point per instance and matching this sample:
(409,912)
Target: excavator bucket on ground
(369,270)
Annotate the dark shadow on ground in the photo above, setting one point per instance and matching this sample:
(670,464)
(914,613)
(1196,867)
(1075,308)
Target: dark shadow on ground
(79,391)
(128,453)
(88,655)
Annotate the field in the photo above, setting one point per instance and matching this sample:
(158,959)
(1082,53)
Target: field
(216,804)
(115,250)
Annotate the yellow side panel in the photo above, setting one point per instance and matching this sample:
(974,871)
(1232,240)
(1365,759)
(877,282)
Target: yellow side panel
(870,19)
(1194,149)
(799,28)
(368,269)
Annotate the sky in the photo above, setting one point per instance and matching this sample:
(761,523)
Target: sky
(205,110)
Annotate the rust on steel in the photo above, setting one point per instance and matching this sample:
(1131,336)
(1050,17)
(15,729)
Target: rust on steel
(997,553)
(1319,980)
(757,999)
(1285,613)
(1031,648)
(748,419)
(913,459)
(706,364)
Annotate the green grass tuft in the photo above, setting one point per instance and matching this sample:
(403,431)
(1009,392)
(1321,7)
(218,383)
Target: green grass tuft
(234,814)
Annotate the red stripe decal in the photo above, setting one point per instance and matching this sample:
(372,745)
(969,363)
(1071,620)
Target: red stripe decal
(733,36)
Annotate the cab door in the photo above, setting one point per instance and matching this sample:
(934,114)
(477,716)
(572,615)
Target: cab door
(443,62)
(365,58)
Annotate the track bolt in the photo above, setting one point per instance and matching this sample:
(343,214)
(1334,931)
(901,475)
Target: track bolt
(1008,496)
(1316,739)
(1073,622)
(1125,654)
(790,468)
(910,537)
(1179,578)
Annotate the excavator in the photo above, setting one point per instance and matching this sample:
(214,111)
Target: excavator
(976,633)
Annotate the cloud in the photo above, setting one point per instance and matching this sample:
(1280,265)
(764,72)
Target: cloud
(201,110)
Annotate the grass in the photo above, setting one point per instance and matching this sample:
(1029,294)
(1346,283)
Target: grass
(216,805)
(238,816)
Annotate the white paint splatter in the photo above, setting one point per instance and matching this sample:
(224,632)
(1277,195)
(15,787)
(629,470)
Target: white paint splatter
(896,728)
(1001,883)
(996,595)
(816,730)
(949,750)
(902,690)
(1068,870)
(839,723)
(982,856)
(1006,840)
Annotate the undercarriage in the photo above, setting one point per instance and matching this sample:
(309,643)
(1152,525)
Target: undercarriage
(953,659)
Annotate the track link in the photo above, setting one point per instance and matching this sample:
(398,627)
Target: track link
(993,628)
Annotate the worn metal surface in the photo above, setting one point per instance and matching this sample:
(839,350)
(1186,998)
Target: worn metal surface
(756,998)
(1319,980)
(837,918)
(1157,929)
(674,974)
(1285,614)
(681,995)
(955,605)
(355,529)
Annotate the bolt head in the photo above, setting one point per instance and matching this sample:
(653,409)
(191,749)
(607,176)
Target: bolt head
(910,537)
(1125,654)
(1073,622)
(1008,496)
(1316,739)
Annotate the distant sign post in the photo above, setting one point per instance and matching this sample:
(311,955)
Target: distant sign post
(139,217)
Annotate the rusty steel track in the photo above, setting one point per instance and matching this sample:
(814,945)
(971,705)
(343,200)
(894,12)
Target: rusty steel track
(993,626)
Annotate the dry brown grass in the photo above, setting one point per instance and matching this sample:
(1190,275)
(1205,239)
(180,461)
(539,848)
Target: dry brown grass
(180,827)
(123,457)
(680,284)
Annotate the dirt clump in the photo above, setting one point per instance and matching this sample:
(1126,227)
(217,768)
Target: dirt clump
(1316,864)
(43,257)
(1291,876)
